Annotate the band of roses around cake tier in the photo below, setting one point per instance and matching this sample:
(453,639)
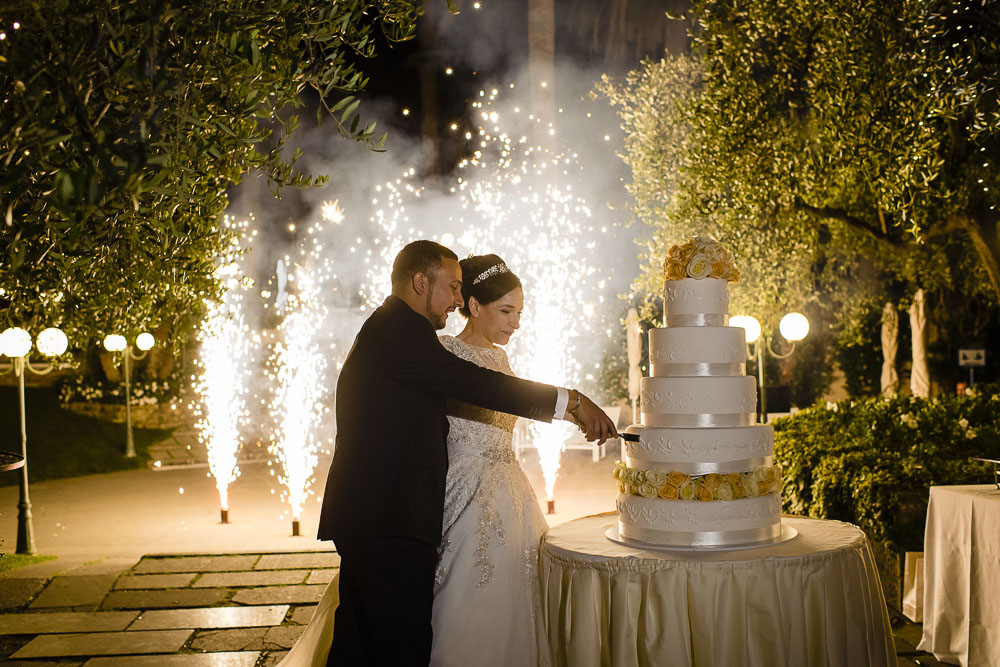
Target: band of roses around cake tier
(677,485)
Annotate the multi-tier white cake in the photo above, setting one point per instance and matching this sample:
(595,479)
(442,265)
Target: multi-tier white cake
(698,470)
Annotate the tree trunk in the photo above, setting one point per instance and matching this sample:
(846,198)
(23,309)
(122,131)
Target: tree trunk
(427,68)
(541,67)
(985,235)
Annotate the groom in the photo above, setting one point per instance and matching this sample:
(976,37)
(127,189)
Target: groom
(384,494)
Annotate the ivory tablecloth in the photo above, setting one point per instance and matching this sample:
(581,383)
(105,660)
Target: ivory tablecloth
(812,601)
(961,575)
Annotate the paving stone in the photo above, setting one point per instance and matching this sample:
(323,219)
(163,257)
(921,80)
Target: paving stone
(241,639)
(17,593)
(105,566)
(214,617)
(279,595)
(274,658)
(308,560)
(281,637)
(230,659)
(104,643)
(180,597)
(302,615)
(321,576)
(146,581)
(65,621)
(196,564)
(265,578)
(75,591)
(41,663)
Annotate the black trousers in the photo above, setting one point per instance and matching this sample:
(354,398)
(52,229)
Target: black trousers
(386,594)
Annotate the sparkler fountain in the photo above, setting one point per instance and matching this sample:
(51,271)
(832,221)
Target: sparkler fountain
(516,200)
(224,360)
(298,370)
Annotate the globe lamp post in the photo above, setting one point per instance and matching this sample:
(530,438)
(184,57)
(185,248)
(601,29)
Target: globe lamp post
(115,343)
(15,343)
(793,327)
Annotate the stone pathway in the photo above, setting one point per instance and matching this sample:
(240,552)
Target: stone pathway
(240,610)
(235,610)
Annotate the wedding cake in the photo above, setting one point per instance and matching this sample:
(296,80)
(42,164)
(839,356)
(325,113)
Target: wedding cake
(698,470)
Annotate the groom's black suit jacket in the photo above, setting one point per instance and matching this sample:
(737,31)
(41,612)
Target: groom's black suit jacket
(388,473)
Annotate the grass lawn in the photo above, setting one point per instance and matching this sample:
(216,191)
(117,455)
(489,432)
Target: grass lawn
(12,561)
(64,444)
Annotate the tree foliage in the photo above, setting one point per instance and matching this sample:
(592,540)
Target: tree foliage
(122,123)
(877,119)
(845,152)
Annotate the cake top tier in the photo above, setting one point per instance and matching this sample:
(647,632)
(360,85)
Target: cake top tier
(700,257)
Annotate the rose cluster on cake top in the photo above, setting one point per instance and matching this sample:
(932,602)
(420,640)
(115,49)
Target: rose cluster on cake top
(699,258)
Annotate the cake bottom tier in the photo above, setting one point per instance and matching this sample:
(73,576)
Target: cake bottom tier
(695,523)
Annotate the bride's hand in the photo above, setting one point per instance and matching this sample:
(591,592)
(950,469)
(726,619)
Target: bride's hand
(595,424)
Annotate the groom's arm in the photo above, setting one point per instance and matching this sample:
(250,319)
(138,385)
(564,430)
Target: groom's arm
(415,356)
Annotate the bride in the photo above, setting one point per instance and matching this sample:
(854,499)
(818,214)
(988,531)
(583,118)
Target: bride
(486,597)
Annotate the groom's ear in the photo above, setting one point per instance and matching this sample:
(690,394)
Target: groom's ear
(420,283)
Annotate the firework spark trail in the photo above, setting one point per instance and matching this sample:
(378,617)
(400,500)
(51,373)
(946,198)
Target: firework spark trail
(516,200)
(298,370)
(224,361)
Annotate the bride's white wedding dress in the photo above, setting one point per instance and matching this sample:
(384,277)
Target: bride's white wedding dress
(486,596)
(486,600)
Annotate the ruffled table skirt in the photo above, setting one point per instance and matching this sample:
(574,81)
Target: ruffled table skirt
(812,601)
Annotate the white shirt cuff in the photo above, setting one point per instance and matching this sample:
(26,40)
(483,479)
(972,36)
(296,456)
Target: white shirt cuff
(562,401)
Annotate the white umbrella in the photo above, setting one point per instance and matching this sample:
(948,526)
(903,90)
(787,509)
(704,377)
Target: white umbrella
(890,329)
(633,342)
(920,378)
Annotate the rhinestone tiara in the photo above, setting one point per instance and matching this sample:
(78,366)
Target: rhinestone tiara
(494,270)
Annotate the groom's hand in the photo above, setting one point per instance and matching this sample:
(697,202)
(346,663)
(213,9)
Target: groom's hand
(595,424)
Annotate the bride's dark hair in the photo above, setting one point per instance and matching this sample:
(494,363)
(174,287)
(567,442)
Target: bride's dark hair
(487,278)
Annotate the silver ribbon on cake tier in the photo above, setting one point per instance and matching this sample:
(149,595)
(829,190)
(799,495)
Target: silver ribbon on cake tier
(697,468)
(697,320)
(698,370)
(699,420)
(664,539)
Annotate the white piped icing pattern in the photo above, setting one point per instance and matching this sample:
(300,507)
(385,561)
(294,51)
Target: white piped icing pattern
(700,345)
(657,447)
(698,395)
(695,515)
(695,297)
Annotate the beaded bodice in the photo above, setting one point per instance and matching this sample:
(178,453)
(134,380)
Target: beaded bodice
(476,430)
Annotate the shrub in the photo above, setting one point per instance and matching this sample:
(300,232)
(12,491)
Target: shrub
(858,460)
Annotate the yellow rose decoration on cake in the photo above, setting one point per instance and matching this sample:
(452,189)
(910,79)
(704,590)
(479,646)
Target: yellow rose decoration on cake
(700,258)
(677,479)
(702,492)
(668,492)
(674,485)
(656,478)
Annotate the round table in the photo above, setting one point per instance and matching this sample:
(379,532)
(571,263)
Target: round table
(10,461)
(813,600)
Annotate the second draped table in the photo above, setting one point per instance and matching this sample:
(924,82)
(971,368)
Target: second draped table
(812,601)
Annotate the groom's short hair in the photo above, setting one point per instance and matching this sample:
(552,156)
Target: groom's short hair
(418,257)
